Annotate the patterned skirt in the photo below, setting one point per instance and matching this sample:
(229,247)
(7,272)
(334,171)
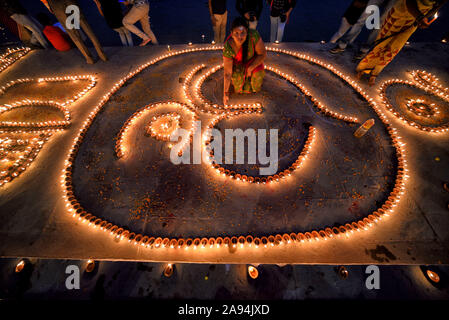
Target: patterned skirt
(398,19)
(245,84)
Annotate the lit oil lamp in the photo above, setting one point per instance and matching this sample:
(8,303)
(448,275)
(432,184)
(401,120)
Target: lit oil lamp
(20,266)
(90,265)
(253,272)
(168,270)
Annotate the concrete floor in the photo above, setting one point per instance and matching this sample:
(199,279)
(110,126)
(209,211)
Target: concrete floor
(33,222)
(45,279)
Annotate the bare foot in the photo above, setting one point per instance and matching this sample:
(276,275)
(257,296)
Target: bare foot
(372,80)
(90,61)
(103,57)
(359,75)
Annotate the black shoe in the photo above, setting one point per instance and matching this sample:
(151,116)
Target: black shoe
(359,55)
(337,49)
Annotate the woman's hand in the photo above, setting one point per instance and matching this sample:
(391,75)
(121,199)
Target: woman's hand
(227,66)
(225,98)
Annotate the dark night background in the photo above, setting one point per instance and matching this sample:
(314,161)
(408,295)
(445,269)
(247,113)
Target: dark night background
(181,21)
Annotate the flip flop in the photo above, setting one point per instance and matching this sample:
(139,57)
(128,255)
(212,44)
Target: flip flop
(144,42)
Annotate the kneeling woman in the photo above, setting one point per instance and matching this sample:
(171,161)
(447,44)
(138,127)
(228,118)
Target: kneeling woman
(243,56)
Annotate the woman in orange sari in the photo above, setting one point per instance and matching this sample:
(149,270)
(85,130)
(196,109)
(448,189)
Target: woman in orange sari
(402,21)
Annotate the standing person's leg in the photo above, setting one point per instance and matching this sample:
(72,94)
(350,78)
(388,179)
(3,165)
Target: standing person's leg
(344,26)
(273,28)
(75,35)
(134,15)
(93,38)
(216,28)
(223,27)
(353,32)
(374,33)
(58,10)
(40,34)
(280,32)
(128,36)
(122,36)
(28,23)
(369,42)
(145,22)
(220,27)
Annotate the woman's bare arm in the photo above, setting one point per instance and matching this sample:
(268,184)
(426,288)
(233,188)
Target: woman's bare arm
(227,62)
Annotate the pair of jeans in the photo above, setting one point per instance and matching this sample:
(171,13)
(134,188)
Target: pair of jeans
(277,29)
(36,29)
(125,36)
(220,27)
(344,27)
(139,12)
(355,30)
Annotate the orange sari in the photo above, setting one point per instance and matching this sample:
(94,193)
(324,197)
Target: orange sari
(398,19)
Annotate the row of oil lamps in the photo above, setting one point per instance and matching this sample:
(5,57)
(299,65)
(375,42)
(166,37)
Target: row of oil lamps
(430,81)
(120,148)
(204,105)
(207,104)
(35,125)
(429,89)
(422,108)
(6,62)
(76,210)
(324,109)
(24,159)
(92,82)
(278,177)
(165,130)
(429,272)
(43,129)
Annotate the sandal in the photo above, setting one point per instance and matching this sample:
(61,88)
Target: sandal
(144,42)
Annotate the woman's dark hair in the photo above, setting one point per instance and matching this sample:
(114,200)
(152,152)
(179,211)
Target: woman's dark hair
(241,22)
